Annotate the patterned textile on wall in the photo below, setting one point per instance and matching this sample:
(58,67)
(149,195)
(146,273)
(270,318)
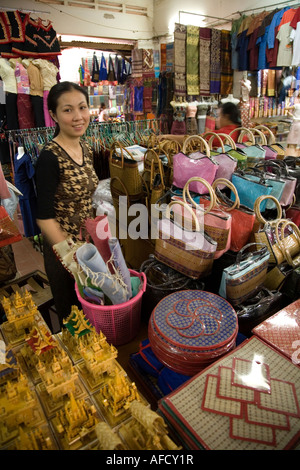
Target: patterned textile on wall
(156,63)
(180,60)
(226,70)
(163,57)
(170,57)
(192,60)
(204,60)
(148,63)
(137,62)
(215,61)
(147,97)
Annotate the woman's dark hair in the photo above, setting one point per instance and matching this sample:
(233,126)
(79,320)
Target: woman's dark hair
(55,93)
(231,111)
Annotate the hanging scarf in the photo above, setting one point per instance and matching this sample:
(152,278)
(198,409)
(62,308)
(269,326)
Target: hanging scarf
(137,62)
(156,63)
(204,60)
(95,69)
(226,70)
(111,77)
(192,60)
(87,75)
(103,69)
(215,61)
(179,59)
(163,57)
(148,63)
(170,57)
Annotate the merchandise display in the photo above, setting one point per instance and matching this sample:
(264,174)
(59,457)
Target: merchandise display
(60,405)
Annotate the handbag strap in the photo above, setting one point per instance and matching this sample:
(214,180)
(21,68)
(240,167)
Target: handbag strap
(228,139)
(186,206)
(261,253)
(254,131)
(247,131)
(211,139)
(149,264)
(257,204)
(193,138)
(265,128)
(212,194)
(229,185)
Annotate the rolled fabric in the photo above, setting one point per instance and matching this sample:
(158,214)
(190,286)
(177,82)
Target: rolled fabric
(95,268)
(120,263)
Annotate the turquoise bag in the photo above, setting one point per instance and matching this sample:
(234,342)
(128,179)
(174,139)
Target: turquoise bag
(249,190)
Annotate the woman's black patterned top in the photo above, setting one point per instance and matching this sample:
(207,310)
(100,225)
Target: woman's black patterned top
(64,188)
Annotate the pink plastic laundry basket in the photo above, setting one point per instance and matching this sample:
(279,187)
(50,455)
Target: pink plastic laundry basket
(119,323)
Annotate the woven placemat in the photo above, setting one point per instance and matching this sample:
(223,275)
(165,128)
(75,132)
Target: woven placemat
(217,431)
(282,331)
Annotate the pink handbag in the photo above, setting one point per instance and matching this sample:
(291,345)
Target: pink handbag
(227,163)
(196,164)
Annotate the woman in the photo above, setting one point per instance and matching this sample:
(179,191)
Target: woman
(103,113)
(228,119)
(65,181)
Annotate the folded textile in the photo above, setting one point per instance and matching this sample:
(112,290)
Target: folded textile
(95,268)
(119,262)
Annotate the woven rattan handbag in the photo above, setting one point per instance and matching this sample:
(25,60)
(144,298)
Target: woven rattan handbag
(124,167)
(242,218)
(245,277)
(190,252)
(217,223)
(281,236)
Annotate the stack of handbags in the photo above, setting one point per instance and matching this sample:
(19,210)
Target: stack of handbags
(182,245)
(215,221)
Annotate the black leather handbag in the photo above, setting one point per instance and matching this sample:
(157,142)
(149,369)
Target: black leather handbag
(254,311)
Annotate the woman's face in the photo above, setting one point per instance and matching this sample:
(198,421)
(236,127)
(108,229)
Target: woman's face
(72,114)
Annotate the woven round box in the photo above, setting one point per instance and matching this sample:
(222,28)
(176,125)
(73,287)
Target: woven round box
(190,329)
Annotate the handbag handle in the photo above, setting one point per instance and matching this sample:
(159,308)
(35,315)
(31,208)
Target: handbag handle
(257,204)
(229,139)
(262,252)
(112,151)
(186,191)
(254,130)
(270,164)
(265,128)
(153,162)
(186,206)
(284,248)
(200,139)
(252,138)
(211,139)
(116,178)
(229,185)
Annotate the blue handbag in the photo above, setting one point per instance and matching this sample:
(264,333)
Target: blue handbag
(245,277)
(277,184)
(249,190)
